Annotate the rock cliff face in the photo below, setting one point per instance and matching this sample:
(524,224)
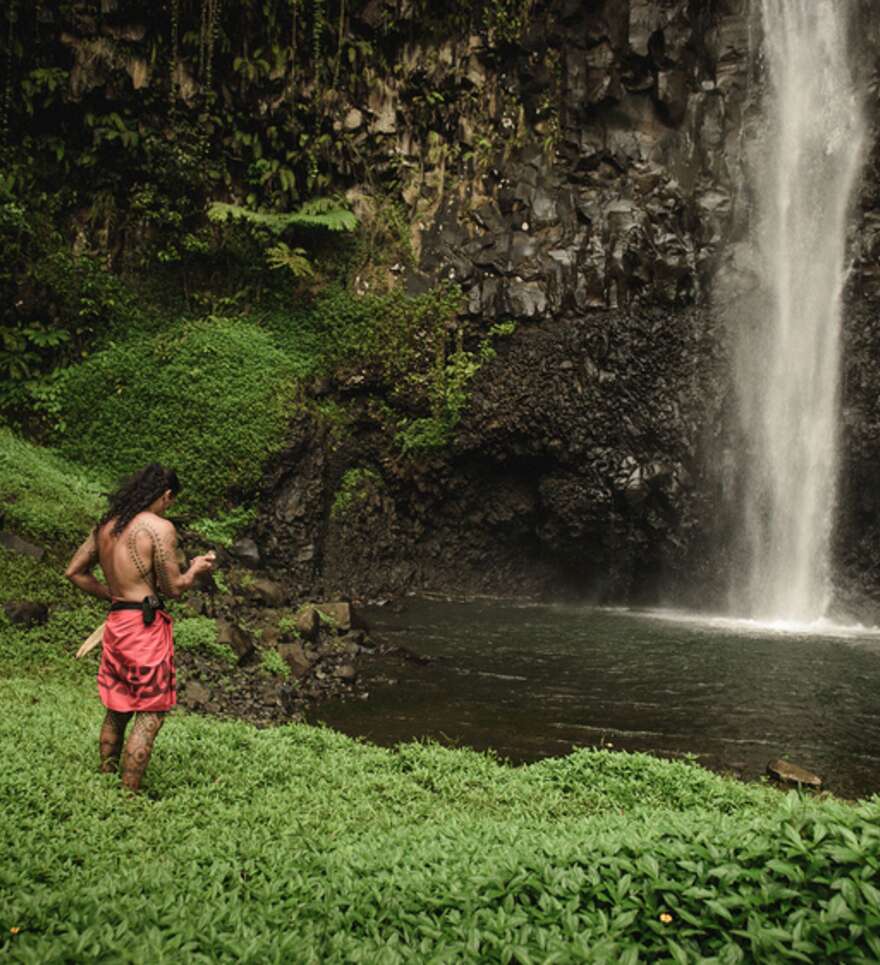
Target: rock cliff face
(584,176)
(598,455)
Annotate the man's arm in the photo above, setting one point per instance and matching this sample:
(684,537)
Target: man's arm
(79,570)
(163,539)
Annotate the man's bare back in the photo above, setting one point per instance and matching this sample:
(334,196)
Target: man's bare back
(141,561)
(135,561)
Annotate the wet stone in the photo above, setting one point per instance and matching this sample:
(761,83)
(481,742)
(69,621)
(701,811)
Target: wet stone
(788,773)
(235,638)
(196,694)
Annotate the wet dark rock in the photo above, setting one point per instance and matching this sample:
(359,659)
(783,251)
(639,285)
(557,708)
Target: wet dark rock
(15,544)
(246,551)
(27,614)
(295,657)
(269,592)
(308,622)
(339,614)
(270,636)
(787,773)
(195,694)
(233,636)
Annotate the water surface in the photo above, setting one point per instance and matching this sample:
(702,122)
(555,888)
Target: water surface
(538,681)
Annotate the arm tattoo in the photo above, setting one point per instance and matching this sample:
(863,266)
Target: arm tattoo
(160,557)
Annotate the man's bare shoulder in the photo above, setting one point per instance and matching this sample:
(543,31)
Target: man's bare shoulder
(150,521)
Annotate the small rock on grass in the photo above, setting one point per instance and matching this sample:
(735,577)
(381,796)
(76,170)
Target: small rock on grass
(308,623)
(16,544)
(247,551)
(27,614)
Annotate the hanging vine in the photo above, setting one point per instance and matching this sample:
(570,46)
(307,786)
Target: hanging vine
(209,31)
(213,35)
(294,7)
(317,30)
(203,37)
(340,39)
(175,48)
(11,15)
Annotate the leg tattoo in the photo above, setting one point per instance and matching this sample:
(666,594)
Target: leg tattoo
(110,741)
(139,747)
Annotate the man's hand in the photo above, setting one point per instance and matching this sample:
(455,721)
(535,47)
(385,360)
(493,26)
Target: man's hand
(202,564)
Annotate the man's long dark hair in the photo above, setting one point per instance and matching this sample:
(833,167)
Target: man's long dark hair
(136,493)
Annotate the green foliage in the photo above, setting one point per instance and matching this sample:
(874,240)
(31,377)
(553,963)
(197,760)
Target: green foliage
(225,526)
(48,649)
(326,213)
(447,388)
(355,486)
(53,304)
(295,260)
(43,495)
(419,436)
(466,860)
(287,627)
(209,399)
(505,21)
(199,635)
(273,663)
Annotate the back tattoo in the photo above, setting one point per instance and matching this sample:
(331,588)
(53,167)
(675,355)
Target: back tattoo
(160,556)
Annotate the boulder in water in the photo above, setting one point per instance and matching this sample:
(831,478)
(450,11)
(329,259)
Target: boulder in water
(787,773)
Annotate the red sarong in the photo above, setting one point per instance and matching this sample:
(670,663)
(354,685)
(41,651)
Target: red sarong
(137,662)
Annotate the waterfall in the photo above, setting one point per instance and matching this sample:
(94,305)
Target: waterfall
(803,170)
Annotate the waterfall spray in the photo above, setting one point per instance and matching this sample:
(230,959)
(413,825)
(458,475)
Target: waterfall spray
(788,352)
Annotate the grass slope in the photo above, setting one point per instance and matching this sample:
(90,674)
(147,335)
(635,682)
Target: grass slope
(298,844)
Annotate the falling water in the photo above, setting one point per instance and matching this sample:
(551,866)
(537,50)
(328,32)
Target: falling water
(788,352)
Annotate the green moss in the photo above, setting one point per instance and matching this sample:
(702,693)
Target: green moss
(199,635)
(209,399)
(273,663)
(354,487)
(45,496)
(224,527)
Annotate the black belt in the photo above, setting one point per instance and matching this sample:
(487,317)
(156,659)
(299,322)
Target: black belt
(147,606)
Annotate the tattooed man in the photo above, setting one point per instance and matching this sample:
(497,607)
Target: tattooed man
(137,550)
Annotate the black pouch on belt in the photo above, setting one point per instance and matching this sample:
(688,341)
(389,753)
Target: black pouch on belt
(149,607)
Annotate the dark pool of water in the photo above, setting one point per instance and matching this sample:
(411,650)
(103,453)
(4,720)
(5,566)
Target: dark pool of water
(538,681)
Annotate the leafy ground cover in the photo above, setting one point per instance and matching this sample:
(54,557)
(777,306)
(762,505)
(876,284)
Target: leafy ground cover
(299,844)
(43,495)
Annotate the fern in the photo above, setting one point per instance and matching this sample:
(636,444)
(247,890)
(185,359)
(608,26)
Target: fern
(326,213)
(294,260)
